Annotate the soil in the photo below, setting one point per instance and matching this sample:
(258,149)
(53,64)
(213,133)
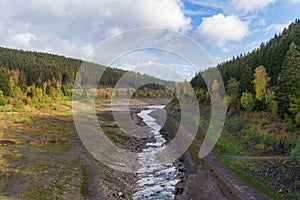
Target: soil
(45,159)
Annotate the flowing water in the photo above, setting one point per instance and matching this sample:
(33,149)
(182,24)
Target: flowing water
(155,180)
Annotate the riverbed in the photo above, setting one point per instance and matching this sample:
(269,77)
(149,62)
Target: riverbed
(155,180)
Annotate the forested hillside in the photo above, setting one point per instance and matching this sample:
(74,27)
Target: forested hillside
(262,128)
(263,86)
(42,67)
(270,54)
(41,79)
(279,74)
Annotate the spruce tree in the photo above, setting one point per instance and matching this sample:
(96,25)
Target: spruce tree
(4,82)
(289,82)
(246,84)
(22,82)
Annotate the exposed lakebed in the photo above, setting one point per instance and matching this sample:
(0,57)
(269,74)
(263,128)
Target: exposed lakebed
(155,180)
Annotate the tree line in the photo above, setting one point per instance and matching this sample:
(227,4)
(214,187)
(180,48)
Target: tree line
(38,68)
(268,78)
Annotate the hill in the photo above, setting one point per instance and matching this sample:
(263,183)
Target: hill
(270,54)
(279,62)
(41,67)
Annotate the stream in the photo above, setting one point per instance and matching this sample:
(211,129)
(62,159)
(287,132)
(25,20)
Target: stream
(155,180)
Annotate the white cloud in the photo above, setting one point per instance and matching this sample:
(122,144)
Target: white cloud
(277,27)
(23,39)
(248,5)
(295,1)
(219,29)
(72,27)
(208,3)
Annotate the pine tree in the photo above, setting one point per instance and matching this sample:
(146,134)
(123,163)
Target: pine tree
(5,82)
(246,84)
(289,82)
(22,82)
(232,87)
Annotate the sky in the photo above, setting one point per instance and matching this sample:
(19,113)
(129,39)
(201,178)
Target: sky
(223,28)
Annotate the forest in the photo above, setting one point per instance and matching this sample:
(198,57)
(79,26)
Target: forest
(32,78)
(264,84)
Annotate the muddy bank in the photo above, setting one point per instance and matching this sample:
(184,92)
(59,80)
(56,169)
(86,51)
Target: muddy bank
(108,183)
(197,179)
(46,159)
(203,178)
(117,184)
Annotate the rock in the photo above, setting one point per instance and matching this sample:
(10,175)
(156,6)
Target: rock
(181,169)
(179,191)
(182,176)
(121,194)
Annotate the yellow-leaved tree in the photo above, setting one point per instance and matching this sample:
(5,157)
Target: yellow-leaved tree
(261,80)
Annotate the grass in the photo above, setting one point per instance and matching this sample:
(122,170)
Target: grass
(227,143)
(112,131)
(114,135)
(230,144)
(194,153)
(25,120)
(248,135)
(249,178)
(85,181)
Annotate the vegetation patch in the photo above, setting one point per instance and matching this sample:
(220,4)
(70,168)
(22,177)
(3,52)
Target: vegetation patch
(278,178)
(85,181)
(249,178)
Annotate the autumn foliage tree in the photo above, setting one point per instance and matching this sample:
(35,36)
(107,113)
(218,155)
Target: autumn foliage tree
(261,80)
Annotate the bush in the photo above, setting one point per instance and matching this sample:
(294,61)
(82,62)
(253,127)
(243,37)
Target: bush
(25,120)
(235,124)
(3,101)
(19,105)
(247,101)
(295,153)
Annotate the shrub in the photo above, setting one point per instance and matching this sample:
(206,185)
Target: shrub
(295,153)
(235,124)
(19,105)
(247,101)
(3,101)
(25,120)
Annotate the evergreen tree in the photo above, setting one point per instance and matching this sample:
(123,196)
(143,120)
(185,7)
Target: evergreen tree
(289,82)
(232,87)
(5,82)
(22,82)
(246,84)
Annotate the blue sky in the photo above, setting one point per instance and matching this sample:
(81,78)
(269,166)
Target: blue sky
(224,28)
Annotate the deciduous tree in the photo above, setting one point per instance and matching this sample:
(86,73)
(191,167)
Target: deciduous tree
(261,80)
